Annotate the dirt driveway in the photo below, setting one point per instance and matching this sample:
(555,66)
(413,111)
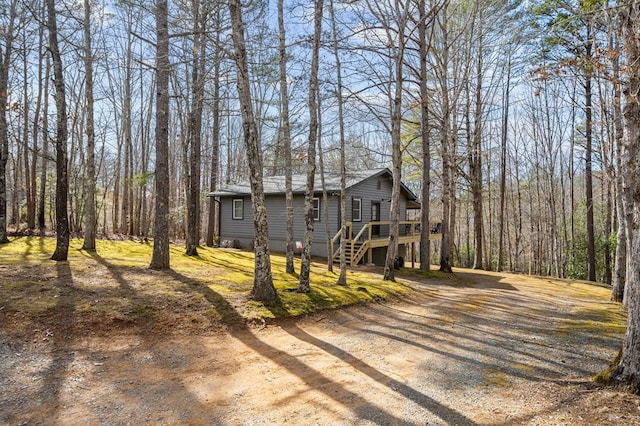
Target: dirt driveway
(489,349)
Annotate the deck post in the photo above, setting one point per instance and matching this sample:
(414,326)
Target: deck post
(352,244)
(331,249)
(369,250)
(413,255)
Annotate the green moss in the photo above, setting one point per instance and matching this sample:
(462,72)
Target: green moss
(496,378)
(602,319)
(32,305)
(606,376)
(428,275)
(17,286)
(115,281)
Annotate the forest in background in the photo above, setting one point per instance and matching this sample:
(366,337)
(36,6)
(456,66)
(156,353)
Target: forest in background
(521,97)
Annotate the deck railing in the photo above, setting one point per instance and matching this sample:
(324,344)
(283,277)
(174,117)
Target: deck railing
(357,246)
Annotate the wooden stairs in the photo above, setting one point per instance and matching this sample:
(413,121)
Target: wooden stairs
(364,241)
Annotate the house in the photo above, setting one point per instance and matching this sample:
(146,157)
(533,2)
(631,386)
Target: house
(368,205)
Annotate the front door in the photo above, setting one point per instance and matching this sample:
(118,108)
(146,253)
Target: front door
(375,217)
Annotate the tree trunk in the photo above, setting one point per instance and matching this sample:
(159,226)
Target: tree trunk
(36,128)
(620,264)
(215,139)
(263,289)
(145,154)
(628,368)
(591,245)
(62,183)
(90,183)
(45,150)
(305,261)
(503,166)
(115,213)
(324,204)
(30,198)
(195,130)
(286,136)
(125,217)
(396,143)
(342,278)
(445,260)
(160,257)
(476,166)
(5,63)
(425,227)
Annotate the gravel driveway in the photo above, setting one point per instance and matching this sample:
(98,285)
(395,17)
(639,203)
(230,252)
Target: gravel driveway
(486,349)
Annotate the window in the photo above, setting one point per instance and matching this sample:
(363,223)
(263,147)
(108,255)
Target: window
(316,209)
(375,211)
(356,209)
(238,209)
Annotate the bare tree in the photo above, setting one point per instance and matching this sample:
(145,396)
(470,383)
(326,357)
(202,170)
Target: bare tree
(627,369)
(90,182)
(475,148)
(160,257)
(127,135)
(588,75)
(342,278)
(402,13)
(263,289)
(27,152)
(40,97)
(623,207)
(215,132)
(423,51)
(445,141)
(45,149)
(503,165)
(285,129)
(305,266)
(5,65)
(194,129)
(62,182)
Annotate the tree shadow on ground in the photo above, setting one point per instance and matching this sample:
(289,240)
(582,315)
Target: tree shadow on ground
(457,279)
(59,336)
(311,377)
(61,359)
(445,413)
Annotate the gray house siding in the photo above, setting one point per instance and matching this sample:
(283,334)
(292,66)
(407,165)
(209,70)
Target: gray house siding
(375,187)
(277,216)
(242,230)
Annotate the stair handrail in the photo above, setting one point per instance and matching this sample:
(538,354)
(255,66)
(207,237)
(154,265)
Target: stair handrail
(359,234)
(337,237)
(355,258)
(364,246)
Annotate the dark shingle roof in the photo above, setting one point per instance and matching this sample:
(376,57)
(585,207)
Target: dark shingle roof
(276,184)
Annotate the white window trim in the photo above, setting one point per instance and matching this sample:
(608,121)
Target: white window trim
(359,210)
(233,209)
(316,212)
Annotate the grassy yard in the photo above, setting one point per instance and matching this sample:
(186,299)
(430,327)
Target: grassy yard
(115,283)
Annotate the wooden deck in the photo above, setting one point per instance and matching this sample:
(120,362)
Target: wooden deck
(369,238)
